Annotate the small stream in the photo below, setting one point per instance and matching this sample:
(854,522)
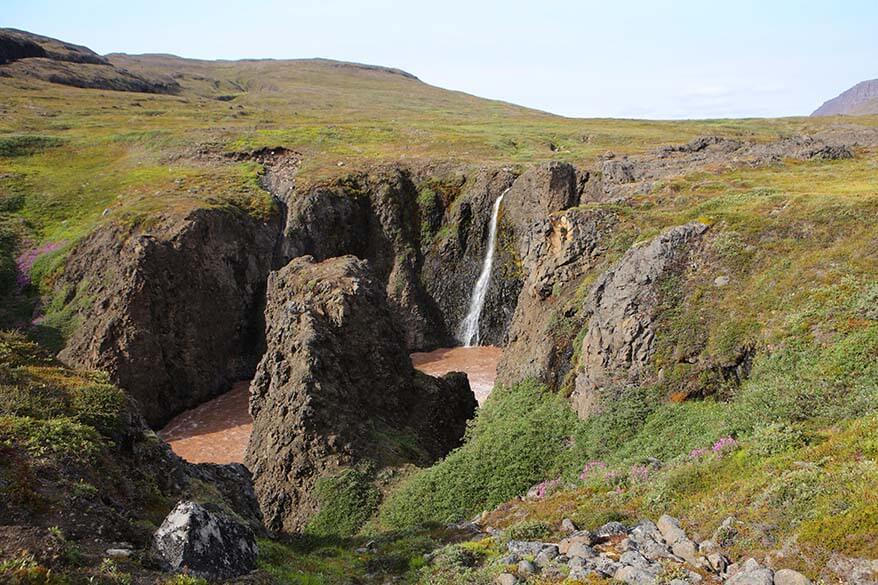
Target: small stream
(218,430)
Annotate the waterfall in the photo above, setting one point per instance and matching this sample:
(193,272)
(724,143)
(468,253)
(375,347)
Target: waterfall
(469,327)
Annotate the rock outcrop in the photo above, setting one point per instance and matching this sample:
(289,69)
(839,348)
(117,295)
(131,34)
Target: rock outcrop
(377,218)
(621,309)
(336,389)
(205,543)
(618,178)
(453,258)
(559,251)
(172,313)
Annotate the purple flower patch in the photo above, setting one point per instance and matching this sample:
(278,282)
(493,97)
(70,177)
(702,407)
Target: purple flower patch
(590,467)
(724,445)
(25,262)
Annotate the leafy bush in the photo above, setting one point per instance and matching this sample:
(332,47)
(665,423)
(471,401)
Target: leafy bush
(674,429)
(775,438)
(802,381)
(185,580)
(26,144)
(347,501)
(529,530)
(25,570)
(517,439)
(623,415)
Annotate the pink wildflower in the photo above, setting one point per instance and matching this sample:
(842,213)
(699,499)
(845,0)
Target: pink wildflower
(589,467)
(639,473)
(724,444)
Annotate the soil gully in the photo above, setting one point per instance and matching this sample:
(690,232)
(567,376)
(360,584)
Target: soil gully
(217,431)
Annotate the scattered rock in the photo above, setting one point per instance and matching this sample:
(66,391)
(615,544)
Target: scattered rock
(790,577)
(526,569)
(579,537)
(634,576)
(524,548)
(721,281)
(751,573)
(718,562)
(670,529)
(567,525)
(686,550)
(506,579)
(611,529)
(580,550)
(205,543)
(726,533)
(854,571)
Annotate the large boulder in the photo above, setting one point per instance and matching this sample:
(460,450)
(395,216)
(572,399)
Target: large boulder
(205,543)
(336,389)
(622,307)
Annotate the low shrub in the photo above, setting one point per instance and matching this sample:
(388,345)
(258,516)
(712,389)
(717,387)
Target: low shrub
(529,530)
(347,501)
(517,439)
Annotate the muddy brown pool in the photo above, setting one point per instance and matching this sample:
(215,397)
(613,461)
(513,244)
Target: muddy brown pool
(217,431)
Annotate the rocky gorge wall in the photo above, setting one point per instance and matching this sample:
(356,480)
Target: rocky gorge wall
(325,299)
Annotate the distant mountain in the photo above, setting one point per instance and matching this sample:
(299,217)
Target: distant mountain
(860,100)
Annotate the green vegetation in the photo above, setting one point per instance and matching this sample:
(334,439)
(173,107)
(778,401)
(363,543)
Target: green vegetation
(516,440)
(347,501)
(25,570)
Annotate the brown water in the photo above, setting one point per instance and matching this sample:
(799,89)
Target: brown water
(214,432)
(479,363)
(217,431)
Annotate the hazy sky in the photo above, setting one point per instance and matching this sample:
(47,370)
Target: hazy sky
(644,59)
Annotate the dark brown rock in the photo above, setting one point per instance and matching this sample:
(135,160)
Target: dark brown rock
(173,314)
(374,217)
(336,389)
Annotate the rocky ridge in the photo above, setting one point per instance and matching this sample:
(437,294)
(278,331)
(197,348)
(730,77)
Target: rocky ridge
(25,55)
(859,100)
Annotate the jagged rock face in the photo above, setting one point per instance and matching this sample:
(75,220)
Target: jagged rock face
(336,388)
(374,218)
(559,251)
(452,267)
(173,315)
(205,543)
(453,262)
(622,307)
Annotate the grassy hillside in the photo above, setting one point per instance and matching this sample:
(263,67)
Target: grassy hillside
(66,154)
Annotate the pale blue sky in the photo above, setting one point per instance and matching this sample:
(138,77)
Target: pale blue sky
(659,59)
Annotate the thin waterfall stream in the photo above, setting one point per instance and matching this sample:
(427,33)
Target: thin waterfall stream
(469,327)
